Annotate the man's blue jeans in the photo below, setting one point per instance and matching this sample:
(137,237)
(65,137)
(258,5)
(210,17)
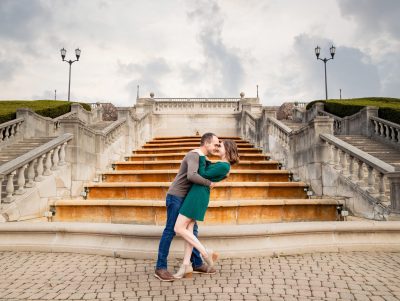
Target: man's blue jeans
(174,203)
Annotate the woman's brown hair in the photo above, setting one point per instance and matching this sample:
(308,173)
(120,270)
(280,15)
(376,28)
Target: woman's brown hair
(231,151)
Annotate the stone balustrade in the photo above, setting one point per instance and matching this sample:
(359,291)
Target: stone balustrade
(386,130)
(197,105)
(10,130)
(337,122)
(279,130)
(31,167)
(364,170)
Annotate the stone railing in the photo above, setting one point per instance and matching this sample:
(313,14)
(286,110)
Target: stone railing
(32,167)
(364,170)
(337,122)
(280,131)
(231,99)
(386,130)
(10,131)
(249,127)
(198,105)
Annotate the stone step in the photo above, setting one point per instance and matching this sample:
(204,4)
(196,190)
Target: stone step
(186,144)
(192,137)
(187,149)
(169,175)
(190,140)
(175,164)
(222,191)
(180,156)
(218,213)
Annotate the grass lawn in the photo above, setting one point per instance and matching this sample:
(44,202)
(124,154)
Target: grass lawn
(389,108)
(47,108)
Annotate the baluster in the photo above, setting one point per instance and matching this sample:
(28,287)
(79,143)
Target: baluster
(10,187)
(360,174)
(31,174)
(48,163)
(392,134)
(381,129)
(2,134)
(21,180)
(387,133)
(6,133)
(336,158)
(371,180)
(351,168)
(62,154)
(376,127)
(55,158)
(39,169)
(382,187)
(345,166)
(1,187)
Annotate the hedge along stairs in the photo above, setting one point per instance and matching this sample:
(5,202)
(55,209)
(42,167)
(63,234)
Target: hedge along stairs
(257,190)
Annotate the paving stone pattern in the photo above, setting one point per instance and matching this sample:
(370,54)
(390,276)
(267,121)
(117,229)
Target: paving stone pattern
(323,276)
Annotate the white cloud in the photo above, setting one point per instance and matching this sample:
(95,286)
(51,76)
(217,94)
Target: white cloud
(207,48)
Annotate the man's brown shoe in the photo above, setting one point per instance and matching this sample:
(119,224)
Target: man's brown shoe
(204,269)
(164,275)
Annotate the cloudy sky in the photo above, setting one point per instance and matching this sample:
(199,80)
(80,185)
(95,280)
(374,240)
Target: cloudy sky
(199,48)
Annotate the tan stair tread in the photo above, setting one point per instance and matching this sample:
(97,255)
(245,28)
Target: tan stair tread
(188,148)
(184,143)
(180,161)
(220,184)
(182,154)
(219,203)
(189,137)
(174,171)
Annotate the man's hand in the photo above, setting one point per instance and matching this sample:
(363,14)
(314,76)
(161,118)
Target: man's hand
(212,185)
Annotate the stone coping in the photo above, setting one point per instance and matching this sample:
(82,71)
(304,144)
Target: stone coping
(141,241)
(174,171)
(212,203)
(357,153)
(219,185)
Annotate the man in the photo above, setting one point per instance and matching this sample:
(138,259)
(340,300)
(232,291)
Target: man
(187,175)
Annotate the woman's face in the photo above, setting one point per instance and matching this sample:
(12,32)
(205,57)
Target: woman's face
(221,152)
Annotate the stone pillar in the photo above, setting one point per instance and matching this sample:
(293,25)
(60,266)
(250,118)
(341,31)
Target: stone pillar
(394,182)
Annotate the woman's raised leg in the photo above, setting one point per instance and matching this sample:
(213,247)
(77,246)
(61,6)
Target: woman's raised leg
(181,225)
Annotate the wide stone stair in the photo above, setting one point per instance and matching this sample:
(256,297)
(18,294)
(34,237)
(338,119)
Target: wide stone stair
(256,191)
(382,151)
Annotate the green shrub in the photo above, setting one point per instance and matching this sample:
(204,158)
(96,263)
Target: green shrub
(389,108)
(46,108)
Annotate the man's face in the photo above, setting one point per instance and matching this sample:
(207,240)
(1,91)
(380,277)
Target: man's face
(213,146)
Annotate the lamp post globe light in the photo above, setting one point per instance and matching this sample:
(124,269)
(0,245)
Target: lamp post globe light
(77,54)
(317,53)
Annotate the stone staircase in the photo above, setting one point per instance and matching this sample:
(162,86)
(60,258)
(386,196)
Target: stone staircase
(17,149)
(257,190)
(382,151)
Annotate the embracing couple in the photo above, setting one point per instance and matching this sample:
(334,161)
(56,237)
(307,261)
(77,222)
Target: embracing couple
(187,201)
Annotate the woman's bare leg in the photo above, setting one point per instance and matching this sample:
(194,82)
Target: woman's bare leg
(181,225)
(188,247)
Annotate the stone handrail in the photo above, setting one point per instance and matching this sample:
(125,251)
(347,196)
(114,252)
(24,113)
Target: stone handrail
(279,130)
(186,99)
(387,130)
(112,132)
(352,163)
(39,162)
(9,130)
(337,121)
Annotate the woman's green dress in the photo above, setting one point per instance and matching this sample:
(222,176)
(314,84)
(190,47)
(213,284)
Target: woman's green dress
(196,201)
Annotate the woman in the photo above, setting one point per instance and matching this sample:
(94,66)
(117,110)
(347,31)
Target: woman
(196,202)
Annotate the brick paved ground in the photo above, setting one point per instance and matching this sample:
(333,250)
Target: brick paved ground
(329,276)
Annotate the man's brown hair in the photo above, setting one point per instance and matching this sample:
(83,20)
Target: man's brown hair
(207,137)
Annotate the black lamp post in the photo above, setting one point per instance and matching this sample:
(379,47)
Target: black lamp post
(78,54)
(317,52)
